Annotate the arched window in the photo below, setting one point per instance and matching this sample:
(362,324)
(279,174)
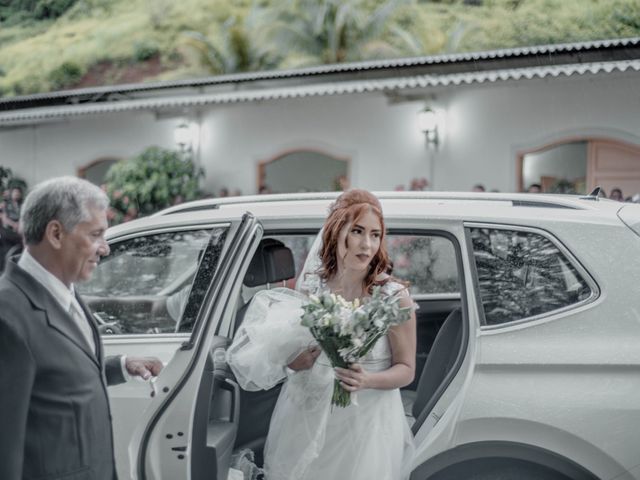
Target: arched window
(96,171)
(303,171)
(578,165)
(560,168)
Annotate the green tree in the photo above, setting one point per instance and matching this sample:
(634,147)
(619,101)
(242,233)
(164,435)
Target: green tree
(334,31)
(240,47)
(151,181)
(38,9)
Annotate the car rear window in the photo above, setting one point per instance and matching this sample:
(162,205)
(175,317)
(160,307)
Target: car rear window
(427,262)
(523,274)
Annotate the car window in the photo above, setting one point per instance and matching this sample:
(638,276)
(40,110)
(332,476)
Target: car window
(299,245)
(144,284)
(427,262)
(522,274)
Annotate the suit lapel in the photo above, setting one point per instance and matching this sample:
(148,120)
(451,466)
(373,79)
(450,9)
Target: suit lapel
(94,329)
(41,299)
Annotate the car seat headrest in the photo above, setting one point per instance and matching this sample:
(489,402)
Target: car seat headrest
(272,262)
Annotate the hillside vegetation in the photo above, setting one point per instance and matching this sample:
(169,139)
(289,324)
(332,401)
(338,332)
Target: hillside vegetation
(50,45)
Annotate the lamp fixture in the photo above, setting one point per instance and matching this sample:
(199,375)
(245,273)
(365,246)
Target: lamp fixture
(428,123)
(184,136)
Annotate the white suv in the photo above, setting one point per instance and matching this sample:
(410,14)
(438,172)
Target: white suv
(528,330)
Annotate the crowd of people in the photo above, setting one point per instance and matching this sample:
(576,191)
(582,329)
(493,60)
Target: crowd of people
(615,193)
(10,207)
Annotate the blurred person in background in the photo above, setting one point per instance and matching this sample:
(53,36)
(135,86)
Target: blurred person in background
(616,194)
(10,237)
(11,210)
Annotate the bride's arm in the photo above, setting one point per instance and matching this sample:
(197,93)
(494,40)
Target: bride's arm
(306,359)
(402,339)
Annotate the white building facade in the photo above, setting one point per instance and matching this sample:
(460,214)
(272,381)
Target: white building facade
(504,119)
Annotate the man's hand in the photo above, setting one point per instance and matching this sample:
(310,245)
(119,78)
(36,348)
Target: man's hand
(306,359)
(144,367)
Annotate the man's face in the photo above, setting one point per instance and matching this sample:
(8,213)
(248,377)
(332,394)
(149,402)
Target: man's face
(83,246)
(16,195)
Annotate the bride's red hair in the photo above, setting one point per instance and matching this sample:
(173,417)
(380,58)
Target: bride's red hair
(346,210)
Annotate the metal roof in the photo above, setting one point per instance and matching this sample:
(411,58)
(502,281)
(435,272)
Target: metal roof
(175,101)
(353,67)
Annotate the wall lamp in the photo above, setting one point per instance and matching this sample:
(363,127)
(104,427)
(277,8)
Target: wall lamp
(428,122)
(185,136)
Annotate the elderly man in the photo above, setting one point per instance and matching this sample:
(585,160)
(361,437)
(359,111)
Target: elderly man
(54,410)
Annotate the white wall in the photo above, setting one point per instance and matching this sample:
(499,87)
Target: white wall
(48,150)
(486,126)
(304,171)
(382,142)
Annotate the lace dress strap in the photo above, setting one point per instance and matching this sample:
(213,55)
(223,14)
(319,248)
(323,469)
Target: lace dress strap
(396,288)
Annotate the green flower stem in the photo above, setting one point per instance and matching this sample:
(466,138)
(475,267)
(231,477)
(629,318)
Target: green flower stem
(340,396)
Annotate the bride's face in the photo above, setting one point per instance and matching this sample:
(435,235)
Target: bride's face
(359,242)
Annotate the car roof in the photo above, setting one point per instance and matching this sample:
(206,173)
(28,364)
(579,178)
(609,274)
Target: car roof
(537,199)
(467,206)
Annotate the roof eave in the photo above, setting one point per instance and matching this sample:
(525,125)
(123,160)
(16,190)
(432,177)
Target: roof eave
(521,57)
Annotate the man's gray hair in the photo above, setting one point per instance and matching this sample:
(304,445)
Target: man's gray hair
(65,199)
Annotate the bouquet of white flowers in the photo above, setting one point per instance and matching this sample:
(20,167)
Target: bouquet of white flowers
(347,331)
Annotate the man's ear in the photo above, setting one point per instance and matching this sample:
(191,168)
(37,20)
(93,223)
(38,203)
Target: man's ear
(54,234)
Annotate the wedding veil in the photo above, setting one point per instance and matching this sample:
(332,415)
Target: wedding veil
(271,336)
(308,280)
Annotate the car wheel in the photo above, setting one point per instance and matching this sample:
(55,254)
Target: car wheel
(498,469)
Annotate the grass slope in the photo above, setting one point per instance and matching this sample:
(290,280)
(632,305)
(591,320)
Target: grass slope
(106,42)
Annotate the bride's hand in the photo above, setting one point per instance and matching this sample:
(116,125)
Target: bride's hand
(306,359)
(353,378)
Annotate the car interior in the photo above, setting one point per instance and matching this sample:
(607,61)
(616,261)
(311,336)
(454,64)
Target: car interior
(439,340)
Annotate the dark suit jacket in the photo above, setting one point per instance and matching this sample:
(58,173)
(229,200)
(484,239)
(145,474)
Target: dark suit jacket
(55,421)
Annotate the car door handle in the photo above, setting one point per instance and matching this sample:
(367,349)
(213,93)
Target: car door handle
(233,387)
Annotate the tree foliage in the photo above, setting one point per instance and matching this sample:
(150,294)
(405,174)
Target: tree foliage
(240,47)
(313,32)
(250,35)
(65,75)
(151,181)
(37,9)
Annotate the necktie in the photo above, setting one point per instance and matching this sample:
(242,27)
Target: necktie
(82,322)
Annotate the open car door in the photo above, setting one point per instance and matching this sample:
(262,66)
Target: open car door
(189,428)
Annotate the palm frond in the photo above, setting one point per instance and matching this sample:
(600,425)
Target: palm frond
(409,43)
(210,55)
(378,21)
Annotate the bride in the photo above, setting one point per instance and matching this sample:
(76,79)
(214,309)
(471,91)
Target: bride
(308,438)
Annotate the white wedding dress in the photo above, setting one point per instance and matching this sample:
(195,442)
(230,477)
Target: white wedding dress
(308,438)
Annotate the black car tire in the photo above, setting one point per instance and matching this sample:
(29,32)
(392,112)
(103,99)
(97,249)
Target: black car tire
(498,469)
